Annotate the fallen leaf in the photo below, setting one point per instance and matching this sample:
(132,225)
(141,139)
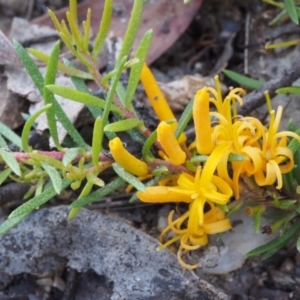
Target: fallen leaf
(168,19)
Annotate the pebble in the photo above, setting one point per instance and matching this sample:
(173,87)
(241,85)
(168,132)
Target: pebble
(287,266)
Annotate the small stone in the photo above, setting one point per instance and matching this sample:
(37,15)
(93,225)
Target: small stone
(287,266)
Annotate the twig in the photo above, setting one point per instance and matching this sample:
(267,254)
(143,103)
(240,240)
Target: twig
(257,98)
(246,51)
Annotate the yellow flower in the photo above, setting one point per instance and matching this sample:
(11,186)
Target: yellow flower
(126,160)
(277,158)
(205,186)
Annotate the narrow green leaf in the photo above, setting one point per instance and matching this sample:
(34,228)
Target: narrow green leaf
(147,156)
(70,155)
(293,90)
(103,28)
(54,176)
(294,144)
(3,143)
(123,125)
(27,127)
(10,223)
(100,193)
(136,69)
(80,97)
(291,9)
(92,178)
(132,28)
(47,159)
(50,78)
(289,185)
(292,125)
(81,86)
(38,80)
(10,160)
(97,140)
(284,238)
(134,181)
(184,119)
(111,93)
(257,222)
(72,131)
(296,169)
(278,18)
(60,66)
(236,157)
(10,135)
(4,175)
(199,159)
(30,66)
(244,80)
(39,200)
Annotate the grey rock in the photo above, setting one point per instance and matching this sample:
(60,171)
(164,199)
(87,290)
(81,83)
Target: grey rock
(99,247)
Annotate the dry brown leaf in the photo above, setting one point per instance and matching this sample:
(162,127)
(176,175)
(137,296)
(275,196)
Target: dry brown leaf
(179,92)
(168,19)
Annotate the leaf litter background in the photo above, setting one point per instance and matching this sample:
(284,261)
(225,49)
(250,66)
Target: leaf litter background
(107,252)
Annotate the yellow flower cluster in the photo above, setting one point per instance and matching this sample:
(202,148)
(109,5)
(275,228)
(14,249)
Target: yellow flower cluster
(220,133)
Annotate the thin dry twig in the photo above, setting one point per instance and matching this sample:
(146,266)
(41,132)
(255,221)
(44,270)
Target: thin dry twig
(256,98)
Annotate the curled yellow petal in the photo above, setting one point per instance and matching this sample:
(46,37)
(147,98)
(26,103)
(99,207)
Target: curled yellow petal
(217,227)
(182,263)
(198,240)
(169,143)
(202,123)
(126,160)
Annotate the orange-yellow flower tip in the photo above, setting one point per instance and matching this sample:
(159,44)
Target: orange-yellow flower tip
(155,95)
(162,194)
(126,160)
(203,127)
(169,143)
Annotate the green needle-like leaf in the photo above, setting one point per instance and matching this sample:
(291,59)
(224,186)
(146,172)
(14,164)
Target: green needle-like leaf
(129,177)
(30,66)
(47,159)
(80,97)
(38,80)
(123,125)
(39,200)
(294,90)
(291,9)
(10,135)
(10,160)
(136,69)
(106,190)
(279,241)
(28,125)
(50,77)
(4,175)
(104,27)
(70,155)
(54,176)
(244,80)
(60,66)
(97,140)
(184,119)
(133,26)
